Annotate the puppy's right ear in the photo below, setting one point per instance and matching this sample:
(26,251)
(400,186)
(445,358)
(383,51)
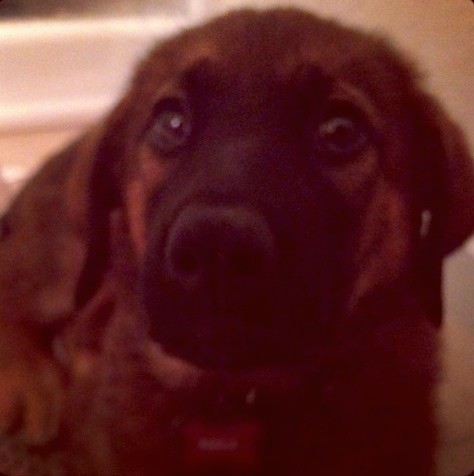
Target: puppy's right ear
(103,195)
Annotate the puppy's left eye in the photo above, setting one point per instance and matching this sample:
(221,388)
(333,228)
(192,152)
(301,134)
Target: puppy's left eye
(342,132)
(171,127)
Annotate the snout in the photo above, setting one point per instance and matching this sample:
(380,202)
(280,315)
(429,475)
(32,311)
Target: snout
(217,248)
(208,282)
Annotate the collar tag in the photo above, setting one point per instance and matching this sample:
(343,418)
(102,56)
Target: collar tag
(234,446)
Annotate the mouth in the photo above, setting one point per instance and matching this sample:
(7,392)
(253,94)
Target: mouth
(227,422)
(221,394)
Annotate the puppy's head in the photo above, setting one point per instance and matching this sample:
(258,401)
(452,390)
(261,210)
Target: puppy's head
(278,172)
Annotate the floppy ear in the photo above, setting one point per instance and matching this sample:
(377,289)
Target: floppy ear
(104,195)
(43,246)
(450,169)
(459,190)
(444,185)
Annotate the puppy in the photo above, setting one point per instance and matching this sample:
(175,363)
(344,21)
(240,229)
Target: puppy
(288,193)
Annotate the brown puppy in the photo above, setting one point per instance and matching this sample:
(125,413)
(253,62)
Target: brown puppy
(289,194)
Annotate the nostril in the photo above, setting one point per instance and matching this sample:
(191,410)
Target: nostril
(185,266)
(245,264)
(186,263)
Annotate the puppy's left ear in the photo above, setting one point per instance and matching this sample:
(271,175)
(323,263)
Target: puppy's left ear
(449,172)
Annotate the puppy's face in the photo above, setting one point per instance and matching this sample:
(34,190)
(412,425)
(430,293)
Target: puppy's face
(255,232)
(276,180)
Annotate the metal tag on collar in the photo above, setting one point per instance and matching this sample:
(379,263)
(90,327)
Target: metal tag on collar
(223,447)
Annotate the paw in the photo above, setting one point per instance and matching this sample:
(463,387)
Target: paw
(31,398)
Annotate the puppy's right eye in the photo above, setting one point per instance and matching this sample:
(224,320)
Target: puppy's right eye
(171,127)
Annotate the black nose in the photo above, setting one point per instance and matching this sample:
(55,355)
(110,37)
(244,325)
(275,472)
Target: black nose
(216,247)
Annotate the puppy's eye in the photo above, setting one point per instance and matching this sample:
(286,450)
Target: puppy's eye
(342,132)
(171,126)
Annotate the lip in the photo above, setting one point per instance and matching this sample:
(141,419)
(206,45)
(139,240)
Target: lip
(226,393)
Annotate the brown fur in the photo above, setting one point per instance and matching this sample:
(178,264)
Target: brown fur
(362,404)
